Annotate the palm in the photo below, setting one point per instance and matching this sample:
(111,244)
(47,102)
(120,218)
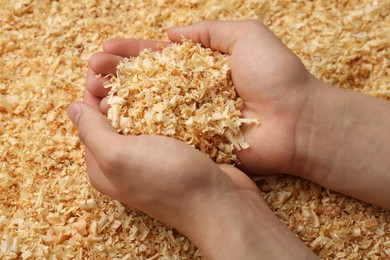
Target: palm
(271,97)
(174,166)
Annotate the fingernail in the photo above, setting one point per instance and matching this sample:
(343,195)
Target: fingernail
(74,112)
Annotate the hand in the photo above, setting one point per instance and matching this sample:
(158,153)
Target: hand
(272,81)
(161,176)
(336,138)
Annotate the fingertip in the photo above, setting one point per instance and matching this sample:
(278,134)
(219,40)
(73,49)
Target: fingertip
(104,63)
(104,106)
(94,60)
(110,45)
(175,33)
(93,128)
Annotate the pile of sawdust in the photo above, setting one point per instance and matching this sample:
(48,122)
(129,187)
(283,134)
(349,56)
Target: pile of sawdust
(48,209)
(184,92)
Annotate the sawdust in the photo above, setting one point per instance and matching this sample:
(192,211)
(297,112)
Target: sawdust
(184,92)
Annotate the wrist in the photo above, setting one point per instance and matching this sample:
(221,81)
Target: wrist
(241,226)
(335,132)
(313,148)
(342,143)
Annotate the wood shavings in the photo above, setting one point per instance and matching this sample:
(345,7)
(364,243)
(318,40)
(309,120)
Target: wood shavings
(370,223)
(184,92)
(44,48)
(331,224)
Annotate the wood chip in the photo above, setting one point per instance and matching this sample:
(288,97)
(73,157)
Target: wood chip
(371,223)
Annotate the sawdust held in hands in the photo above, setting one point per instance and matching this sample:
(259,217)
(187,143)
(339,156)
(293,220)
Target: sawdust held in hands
(183,91)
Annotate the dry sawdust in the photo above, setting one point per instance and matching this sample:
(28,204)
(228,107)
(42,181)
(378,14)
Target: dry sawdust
(48,209)
(185,92)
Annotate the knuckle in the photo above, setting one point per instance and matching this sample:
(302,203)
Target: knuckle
(252,26)
(246,28)
(95,86)
(114,157)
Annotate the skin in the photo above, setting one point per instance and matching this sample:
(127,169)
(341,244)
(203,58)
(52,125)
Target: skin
(342,145)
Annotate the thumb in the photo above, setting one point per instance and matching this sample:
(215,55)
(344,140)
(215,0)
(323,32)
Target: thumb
(217,35)
(94,130)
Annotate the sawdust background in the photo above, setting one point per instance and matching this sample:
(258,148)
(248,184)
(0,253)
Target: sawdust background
(47,207)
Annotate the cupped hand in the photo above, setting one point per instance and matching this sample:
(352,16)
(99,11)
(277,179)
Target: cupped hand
(272,81)
(163,177)
(216,206)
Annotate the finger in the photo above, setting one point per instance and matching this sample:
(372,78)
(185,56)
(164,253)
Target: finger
(217,35)
(96,176)
(131,47)
(95,84)
(94,130)
(104,106)
(104,63)
(90,99)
